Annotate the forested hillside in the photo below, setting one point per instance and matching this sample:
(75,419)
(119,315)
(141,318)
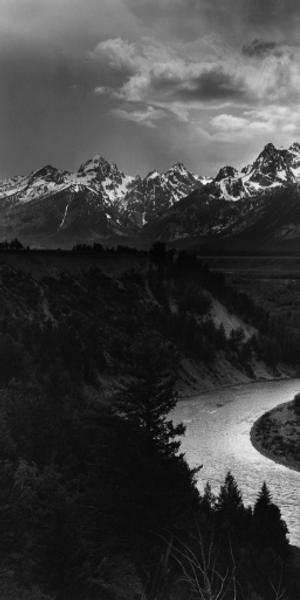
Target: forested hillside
(96,500)
(71,321)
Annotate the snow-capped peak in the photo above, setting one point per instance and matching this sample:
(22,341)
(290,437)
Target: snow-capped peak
(157,191)
(99,168)
(272,168)
(225,172)
(295,148)
(48,173)
(153,175)
(178,167)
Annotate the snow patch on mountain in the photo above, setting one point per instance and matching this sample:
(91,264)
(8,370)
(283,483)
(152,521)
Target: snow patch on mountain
(273,167)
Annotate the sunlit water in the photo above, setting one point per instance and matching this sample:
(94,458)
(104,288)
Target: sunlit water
(218,436)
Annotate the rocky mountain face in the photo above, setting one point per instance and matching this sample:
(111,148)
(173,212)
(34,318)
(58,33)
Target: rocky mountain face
(257,208)
(274,167)
(53,207)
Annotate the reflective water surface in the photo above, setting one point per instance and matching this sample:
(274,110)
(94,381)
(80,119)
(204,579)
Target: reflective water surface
(217,435)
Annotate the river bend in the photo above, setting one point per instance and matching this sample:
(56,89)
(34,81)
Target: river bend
(217,435)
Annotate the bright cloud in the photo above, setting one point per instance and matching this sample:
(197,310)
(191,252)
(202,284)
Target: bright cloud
(170,77)
(147,117)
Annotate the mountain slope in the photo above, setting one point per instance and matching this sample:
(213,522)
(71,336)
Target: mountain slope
(97,203)
(270,222)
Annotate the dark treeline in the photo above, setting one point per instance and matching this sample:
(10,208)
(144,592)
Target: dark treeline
(13,245)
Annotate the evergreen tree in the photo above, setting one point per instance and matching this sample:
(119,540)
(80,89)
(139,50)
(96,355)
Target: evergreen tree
(270,531)
(231,513)
(149,396)
(208,500)
(230,497)
(264,499)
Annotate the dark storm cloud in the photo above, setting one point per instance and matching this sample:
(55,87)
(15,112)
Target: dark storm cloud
(234,20)
(149,72)
(259,48)
(211,84)
(272,12)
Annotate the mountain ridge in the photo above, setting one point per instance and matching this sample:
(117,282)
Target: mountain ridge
(99,202)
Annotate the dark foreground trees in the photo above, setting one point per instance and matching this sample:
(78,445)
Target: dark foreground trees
(235,552)
(85,487)
(94,496)
(86,505)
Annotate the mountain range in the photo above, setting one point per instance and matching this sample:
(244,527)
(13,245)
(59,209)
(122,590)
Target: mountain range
(258,206)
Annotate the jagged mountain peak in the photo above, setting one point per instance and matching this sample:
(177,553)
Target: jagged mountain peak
(269,149)
(99,167)
(93,162)
(44,170)
(179,172)
(295,148)
(178,166)
(153,175)
(101,196)
(48,173)
(272,166)
(270,153)
(225,172)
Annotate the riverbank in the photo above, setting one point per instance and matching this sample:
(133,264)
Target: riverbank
(276,435)
(198,378)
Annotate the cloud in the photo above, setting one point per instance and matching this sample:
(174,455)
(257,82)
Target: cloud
(102,90)
(260,48)
(181,80)
(161,73)
(118,54)
(147,117)
(236,22)
(227,122)
(267,121)
(214,83)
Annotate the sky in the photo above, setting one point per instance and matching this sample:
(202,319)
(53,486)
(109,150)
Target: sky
(146,83)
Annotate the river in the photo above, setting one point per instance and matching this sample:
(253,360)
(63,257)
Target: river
(217,435)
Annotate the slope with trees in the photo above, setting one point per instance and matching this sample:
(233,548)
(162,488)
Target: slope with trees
(276,434)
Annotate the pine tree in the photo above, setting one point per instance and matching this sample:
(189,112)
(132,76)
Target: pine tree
(149,396)
(270,531)
(264,499)
(208,500)
(230,497)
